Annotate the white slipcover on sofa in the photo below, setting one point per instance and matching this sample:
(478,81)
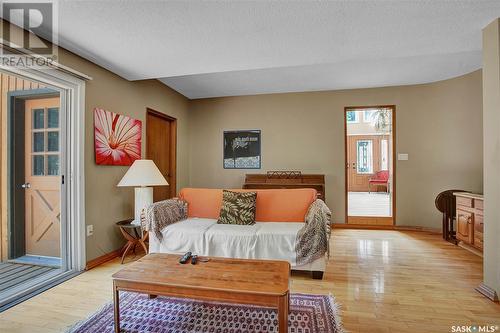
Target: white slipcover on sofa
(271,237)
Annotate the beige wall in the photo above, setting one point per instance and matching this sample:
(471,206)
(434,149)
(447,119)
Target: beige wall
(438,124)
(491,135)
(105,203)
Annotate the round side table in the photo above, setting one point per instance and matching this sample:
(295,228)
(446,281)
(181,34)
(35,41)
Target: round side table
(134,236)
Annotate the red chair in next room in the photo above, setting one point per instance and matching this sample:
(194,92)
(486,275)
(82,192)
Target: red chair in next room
(381,178)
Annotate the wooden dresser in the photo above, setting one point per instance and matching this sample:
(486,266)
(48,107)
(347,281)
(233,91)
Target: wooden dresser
(470,223)
(286,179)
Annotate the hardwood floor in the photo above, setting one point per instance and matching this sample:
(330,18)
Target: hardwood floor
(386,281)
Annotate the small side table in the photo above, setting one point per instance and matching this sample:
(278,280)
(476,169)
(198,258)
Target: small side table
(134,236)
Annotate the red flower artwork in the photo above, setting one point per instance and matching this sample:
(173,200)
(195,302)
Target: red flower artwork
(117,138)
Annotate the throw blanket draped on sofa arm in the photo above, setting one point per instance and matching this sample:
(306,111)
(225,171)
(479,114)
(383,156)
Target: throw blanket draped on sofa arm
(162,213)
(313,238)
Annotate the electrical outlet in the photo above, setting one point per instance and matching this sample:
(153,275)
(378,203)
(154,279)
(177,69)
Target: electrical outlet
(90,230)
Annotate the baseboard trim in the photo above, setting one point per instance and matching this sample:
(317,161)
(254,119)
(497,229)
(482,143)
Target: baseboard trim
(470,249)
(418,228)
(385,227)
(102,259)
(362,226)
(487,292)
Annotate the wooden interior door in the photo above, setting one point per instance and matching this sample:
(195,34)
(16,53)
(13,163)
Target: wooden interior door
(42,177)
(358,178)
(161,142)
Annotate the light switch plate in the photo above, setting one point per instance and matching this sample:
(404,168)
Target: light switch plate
(90,230)
(402,157)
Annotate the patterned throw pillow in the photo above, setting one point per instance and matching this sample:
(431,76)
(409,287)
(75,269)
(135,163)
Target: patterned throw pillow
(238,208)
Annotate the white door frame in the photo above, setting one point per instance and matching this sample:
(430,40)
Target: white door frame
(72,94)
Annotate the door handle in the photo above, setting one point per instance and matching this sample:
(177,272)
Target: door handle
(26,185)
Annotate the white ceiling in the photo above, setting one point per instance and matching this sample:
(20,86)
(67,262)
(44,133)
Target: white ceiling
(224,48)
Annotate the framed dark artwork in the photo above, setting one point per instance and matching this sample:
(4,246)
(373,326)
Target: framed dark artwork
(242,149)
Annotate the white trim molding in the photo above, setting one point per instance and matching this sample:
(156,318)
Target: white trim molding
(72,92)
(71,89)
(487,292)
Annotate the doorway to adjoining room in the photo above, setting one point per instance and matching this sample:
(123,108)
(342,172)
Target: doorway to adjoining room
(41,230)
(33,246)
(369,152)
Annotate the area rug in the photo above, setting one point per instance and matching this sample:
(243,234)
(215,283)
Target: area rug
(138,313)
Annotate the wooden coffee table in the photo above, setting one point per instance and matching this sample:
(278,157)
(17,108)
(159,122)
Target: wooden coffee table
(242,281)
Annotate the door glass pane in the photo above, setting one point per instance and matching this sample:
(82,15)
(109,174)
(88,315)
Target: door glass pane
(38,118)
(38,165)
(365,156)
(38,142)
(352,116)
(53,118)
(52,165)
(52,141)
(368,116)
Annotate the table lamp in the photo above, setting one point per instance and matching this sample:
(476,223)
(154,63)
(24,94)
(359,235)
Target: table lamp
(142,174)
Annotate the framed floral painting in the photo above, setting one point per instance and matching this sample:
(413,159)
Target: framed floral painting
(117,138)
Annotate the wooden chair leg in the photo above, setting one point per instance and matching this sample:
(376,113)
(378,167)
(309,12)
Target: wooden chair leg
(124,247)
(144,246)
(129,244)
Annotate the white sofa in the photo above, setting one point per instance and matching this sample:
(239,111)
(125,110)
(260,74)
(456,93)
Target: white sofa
(263,240)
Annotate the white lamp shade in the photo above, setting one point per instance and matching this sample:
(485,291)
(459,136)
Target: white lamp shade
(143,173)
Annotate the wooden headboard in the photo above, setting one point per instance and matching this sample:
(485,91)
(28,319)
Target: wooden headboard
(286,179)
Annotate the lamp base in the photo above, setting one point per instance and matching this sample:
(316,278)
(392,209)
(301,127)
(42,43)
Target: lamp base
(143,198)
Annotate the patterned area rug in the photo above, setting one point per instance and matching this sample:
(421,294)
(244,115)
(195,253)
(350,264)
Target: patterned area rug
(308,314)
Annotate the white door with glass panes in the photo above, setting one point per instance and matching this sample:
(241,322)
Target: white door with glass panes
(42,177)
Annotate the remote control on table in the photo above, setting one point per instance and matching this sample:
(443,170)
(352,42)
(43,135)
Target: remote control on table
(184,259)
(194,259)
